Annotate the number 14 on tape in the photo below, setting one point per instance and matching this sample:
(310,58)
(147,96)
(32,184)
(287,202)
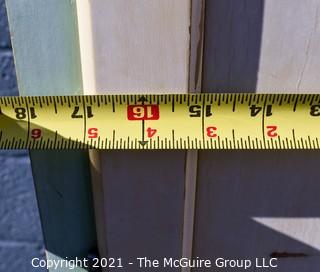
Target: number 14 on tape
(192,121)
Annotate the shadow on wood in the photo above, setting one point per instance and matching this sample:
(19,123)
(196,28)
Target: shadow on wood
(253,203)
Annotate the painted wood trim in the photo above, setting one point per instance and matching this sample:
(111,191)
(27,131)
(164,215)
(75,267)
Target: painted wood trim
(195,80)
(258,203)
(86,45)
(46,49)
(177,79)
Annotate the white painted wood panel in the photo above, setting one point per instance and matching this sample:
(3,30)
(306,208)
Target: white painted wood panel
(258,203)
(290,58)
(142,46)
(47,59)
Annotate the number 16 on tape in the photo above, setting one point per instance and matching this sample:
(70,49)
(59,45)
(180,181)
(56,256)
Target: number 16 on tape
(143,112)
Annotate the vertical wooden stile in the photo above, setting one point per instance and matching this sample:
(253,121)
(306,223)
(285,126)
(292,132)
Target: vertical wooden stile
(46,49)
(195,79)
(144,200)
(254,204)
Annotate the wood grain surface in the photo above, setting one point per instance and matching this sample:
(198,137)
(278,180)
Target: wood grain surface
(47,58)
(142,47)
(260,203)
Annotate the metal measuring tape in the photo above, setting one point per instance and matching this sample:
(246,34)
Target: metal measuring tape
(169,121)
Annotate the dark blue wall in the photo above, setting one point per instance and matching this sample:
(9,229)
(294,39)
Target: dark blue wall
(20,231)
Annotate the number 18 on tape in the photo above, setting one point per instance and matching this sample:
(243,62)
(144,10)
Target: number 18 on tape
(173,121)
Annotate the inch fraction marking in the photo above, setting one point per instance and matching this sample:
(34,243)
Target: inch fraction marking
(37,125)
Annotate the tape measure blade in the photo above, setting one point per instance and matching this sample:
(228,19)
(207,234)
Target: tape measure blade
(172,121)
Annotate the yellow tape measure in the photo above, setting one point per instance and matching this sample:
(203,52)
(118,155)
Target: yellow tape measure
(172,121)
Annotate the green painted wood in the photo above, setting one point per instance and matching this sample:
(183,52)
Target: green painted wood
(47,57)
